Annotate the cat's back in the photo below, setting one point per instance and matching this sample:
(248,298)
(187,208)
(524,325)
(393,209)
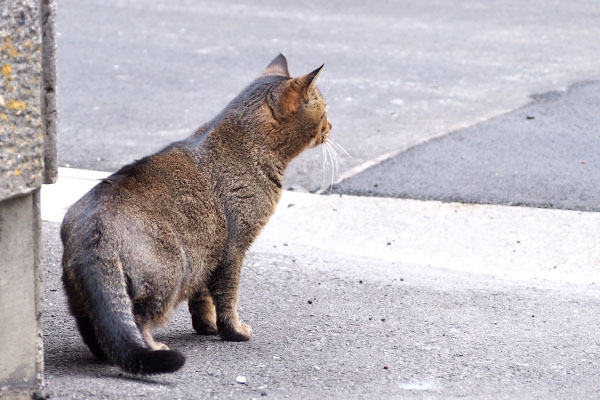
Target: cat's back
(167,188)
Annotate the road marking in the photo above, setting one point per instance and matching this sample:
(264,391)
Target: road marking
(510,242)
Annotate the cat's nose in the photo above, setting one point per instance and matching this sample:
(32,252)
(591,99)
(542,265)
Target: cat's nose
(329,125)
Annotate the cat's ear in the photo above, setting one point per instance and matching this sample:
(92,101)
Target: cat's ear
(309,80)
(295,92)
(278,66)
(302,84)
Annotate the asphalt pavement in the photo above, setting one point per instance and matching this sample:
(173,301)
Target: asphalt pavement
(545,154)
(136,75)
(329,326)
(414,275)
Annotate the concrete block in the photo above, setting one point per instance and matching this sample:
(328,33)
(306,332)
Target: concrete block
(20,289)
(27,103)
(27,158)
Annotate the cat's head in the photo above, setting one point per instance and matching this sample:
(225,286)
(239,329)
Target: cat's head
(292,112)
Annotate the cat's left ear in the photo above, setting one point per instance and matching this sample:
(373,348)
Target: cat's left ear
(278,66)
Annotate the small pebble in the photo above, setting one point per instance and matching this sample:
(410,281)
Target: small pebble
(530,117)
(241,379)
(40,395)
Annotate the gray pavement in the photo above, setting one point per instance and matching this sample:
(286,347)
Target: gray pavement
(136,75)
(362,297)
(546,154)
(324,330)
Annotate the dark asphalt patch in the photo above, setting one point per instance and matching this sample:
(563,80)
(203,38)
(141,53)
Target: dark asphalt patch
(546,154)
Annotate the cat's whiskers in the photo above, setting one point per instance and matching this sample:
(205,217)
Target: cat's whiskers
(332,168)
(335,161)
(338,160)
(324,160)
(341,148)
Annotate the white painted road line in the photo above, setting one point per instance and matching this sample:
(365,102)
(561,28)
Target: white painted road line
(510,242)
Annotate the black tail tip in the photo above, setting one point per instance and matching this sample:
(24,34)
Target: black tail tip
(157,361)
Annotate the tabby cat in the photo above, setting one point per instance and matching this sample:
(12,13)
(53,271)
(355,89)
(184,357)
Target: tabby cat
(175,225)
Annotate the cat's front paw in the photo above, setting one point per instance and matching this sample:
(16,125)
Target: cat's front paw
(235,333)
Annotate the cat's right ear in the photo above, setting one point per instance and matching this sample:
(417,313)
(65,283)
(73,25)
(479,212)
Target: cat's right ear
(294,93)
(278,66)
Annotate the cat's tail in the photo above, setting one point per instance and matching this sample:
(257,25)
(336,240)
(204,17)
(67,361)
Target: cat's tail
(103,284)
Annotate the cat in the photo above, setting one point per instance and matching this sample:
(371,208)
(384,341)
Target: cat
(175,225)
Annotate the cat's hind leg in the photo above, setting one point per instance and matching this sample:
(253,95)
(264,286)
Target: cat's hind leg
(204,315)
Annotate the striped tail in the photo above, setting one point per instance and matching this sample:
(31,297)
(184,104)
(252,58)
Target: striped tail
(112,321)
